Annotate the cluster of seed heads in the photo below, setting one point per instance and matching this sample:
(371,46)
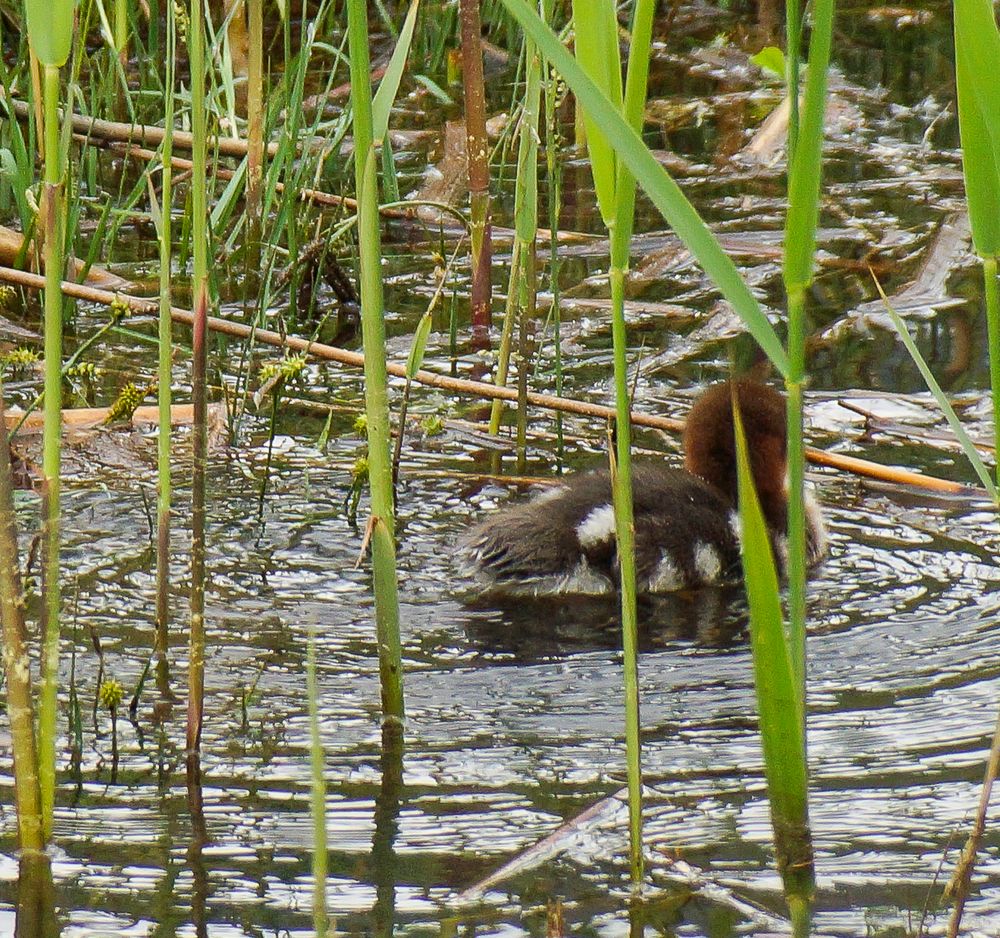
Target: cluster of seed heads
(19,359)
(290,367)
(111,694)
(87,370)
(129,398)
(181,21)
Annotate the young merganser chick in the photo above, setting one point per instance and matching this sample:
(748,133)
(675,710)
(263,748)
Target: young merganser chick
(687,530)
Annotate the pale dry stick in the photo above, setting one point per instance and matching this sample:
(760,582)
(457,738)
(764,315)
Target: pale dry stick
(141,133)
(958,886)
(819,457)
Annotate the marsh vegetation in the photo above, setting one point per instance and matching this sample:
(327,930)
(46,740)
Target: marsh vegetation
(374,295)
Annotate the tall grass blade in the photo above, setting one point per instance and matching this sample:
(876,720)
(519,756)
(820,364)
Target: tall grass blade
(389,86)
(805,170)
(656,182)
(977,52)
(595,26)
(50,30)
(968,447)
(317,798)
(779,701)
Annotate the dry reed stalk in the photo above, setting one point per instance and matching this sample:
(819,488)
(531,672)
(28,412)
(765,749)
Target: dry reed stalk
(819,457)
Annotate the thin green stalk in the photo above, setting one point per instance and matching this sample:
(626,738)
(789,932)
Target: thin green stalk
(805,174)
(526,224)
(597,51)
(554,177)
(164,375)
(321,920)
(506,332)
(199,289)
(17,662)
(793,51)
(796,572)
(51,443)
(382,523)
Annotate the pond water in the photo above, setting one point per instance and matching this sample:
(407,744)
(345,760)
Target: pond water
(514,715)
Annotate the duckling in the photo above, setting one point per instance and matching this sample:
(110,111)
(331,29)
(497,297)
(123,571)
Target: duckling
(687,527)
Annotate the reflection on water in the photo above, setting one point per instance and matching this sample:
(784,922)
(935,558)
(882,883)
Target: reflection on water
(514,724)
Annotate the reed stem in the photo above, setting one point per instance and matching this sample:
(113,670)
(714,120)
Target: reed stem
(478,151)
(321,920)
(164,371)
(17,662)
(199,237)
(51,443)
(382,521)
(255,135)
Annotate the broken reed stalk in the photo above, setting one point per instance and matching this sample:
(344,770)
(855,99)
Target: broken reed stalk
(164,377)
(199,316)
(17,662)
(853,464)
(478,155)
(382,521)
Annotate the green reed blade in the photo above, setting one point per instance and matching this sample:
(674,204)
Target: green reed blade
(50,29)
(658,185)
(389,86)
(977,53)
(780,704)
(596,44)
(968,447)
(805,170)
(415,360)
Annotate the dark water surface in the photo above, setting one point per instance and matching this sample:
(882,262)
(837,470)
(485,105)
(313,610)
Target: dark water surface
(514,715)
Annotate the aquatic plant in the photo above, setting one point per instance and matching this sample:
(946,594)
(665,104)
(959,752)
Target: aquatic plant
(595,23)
(164,230)
(50,30)
(479,167)
(382,521)
(17,661)
(199,390)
